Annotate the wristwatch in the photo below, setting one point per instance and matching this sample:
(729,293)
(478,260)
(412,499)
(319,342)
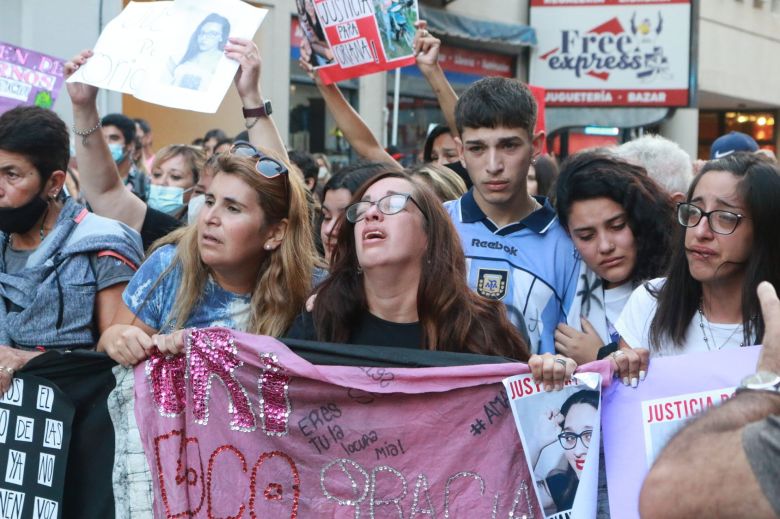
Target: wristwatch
(760,381)
(262,111)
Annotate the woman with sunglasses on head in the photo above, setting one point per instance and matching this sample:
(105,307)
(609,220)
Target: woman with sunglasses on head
(398,279)
(246,264)
(708,300)
(100,182)
(619,220)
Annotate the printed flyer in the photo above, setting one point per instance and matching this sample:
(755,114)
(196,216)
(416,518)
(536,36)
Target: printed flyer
(559,431)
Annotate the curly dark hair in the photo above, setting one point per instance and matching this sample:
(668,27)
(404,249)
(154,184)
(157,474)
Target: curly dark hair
(593,174)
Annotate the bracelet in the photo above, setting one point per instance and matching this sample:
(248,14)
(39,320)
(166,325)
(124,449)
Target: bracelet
(86,133)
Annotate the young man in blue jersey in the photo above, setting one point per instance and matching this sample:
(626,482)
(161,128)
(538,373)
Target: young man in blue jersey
(516,250)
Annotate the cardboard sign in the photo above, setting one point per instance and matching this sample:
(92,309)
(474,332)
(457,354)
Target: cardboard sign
(638,422)
(35,421)
(171,52)
(28,77)
(353,38)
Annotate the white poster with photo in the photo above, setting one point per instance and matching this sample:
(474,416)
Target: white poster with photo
(559,431)
(171,53)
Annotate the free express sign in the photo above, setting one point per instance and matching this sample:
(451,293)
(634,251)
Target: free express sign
(612,52)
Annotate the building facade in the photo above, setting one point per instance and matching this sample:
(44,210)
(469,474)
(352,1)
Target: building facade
(735,78)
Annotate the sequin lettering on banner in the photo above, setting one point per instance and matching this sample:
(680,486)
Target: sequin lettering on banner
(188,477)
(384,493)
(273,386)
(166,377)
(213,353)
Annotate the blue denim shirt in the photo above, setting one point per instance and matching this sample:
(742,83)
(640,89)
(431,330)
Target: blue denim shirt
(51,302)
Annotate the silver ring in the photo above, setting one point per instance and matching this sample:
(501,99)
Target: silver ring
(424,33)
(560,361)
(8,370)
(616,353)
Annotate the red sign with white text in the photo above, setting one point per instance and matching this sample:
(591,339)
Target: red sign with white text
(352,38)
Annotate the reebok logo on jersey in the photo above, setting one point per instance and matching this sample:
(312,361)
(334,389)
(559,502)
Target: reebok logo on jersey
(495,245)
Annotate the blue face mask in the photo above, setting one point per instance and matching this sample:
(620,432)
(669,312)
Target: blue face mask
(117,152)
(194,207)
(167,199)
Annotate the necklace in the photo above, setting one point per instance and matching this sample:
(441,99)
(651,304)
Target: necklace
(712,335)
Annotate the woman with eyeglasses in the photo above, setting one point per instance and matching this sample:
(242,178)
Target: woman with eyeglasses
(247,263)
(569,430)
(398,279)
(620,221)
(708,300)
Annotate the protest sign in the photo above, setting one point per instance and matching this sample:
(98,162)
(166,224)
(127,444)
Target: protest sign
(352,38)
(171,52)
(638,422)
(241,424)
(35,420)
(559,431)
(28,77)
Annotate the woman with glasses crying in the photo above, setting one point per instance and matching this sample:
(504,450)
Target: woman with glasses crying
(708,300)
(246,264)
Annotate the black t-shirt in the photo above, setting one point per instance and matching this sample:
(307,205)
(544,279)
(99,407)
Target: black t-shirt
(156,225)
(370,330)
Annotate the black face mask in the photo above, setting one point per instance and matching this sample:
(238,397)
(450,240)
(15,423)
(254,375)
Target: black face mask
(21,219)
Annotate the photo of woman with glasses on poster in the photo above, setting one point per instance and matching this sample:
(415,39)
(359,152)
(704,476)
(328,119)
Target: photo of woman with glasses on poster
(207,43)
(558,447)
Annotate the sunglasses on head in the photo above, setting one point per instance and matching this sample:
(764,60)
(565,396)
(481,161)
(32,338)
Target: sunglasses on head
(267,166)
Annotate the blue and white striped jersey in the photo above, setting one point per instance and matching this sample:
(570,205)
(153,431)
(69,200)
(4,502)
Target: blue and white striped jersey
(530,265)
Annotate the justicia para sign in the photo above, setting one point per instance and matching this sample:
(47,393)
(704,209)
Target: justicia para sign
(626,54)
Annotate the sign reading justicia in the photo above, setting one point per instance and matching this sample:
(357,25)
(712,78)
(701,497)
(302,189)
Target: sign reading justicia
(612,52)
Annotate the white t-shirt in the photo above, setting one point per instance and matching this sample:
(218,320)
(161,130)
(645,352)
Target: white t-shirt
(615,299)
(634,327)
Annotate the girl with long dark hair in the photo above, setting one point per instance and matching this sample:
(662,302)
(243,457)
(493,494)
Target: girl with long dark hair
(708,300)
(621,223)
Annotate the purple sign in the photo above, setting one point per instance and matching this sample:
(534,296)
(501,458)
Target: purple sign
(637,423)
(28,77)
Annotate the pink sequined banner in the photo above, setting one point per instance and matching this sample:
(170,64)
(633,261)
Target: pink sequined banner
(244,428)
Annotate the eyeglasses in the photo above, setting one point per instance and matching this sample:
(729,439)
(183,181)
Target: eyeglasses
(568,440)
(390,204)
(720,222)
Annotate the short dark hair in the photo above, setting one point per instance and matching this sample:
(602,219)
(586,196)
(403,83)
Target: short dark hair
(352,177)
(439,129)
(124,123)
(494,102)
(305,163)
(39,135)
(215,133)
(143,123)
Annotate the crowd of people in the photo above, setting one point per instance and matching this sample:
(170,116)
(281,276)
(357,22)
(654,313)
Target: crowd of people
(489,246)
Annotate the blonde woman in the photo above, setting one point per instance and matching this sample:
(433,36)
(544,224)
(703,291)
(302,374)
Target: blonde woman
(442,180)
(247,264)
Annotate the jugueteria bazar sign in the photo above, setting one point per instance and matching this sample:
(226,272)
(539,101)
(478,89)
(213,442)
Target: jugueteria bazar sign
(612,52)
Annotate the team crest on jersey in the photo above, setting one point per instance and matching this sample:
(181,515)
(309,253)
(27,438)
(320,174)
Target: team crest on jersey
(491,283)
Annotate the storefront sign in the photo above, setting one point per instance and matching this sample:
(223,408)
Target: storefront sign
(612,52)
